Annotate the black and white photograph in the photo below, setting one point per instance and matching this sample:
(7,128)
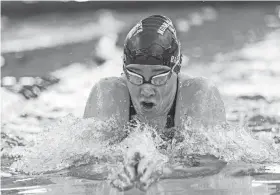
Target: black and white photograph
(140,97)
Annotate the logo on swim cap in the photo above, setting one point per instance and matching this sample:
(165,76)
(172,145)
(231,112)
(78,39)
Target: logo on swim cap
(151,41)
(174,59)
(135,30)
(167,25)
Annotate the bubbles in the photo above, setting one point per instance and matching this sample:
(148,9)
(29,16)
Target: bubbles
(233,144)
(73,142)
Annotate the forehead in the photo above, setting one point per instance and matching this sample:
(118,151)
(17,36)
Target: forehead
(144,68)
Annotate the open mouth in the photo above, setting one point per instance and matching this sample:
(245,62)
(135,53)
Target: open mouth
(147,105)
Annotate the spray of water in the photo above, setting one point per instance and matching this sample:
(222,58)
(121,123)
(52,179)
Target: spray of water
(72,142)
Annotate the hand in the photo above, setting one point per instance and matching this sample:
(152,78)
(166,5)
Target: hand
(124,179)
(149,171)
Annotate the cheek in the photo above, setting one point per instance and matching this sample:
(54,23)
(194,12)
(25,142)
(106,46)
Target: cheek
(165,92)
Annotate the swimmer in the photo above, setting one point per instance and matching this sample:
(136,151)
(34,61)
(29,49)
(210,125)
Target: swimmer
(153,91)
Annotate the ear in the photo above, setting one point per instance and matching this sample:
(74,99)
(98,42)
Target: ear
(181,58)
(178,67)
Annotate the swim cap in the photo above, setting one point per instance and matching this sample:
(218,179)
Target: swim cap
(153,41)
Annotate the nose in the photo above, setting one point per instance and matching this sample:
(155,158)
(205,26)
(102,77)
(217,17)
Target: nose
(147,91)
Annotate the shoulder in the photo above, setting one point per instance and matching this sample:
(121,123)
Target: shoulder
(193,88)
(199,98)
(110,82)
(189,84)
(109,88)
(108,98)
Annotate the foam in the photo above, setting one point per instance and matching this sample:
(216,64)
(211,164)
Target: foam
(72,142)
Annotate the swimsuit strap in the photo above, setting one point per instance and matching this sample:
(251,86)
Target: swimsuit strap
(171,114)
(132,110)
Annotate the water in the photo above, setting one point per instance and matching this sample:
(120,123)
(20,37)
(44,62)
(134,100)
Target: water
(81,168)
(217,184)
(64,154)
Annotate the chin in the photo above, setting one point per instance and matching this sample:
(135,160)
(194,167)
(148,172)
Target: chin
(150,114)
(147,113)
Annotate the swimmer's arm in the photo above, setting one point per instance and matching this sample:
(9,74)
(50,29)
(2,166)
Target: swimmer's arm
(201,166)
(108,99)
(181,172)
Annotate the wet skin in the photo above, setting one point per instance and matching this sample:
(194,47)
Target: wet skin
(109,98)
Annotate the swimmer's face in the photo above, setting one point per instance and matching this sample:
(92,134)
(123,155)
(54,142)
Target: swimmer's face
(155,96)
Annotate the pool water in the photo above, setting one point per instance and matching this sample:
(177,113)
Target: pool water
(245,69)
(230,180)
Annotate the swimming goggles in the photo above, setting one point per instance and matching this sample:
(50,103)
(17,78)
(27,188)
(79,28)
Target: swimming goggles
(158,80)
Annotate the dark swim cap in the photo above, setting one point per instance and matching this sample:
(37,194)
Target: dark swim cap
(153,41)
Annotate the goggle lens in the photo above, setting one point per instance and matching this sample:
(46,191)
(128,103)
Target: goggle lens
(160,79)
(134,78)
(157,80)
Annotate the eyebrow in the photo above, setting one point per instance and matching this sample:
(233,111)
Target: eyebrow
(160,70)
(134,69)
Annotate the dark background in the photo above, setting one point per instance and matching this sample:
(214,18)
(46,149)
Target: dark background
(237,24)
(18,9)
